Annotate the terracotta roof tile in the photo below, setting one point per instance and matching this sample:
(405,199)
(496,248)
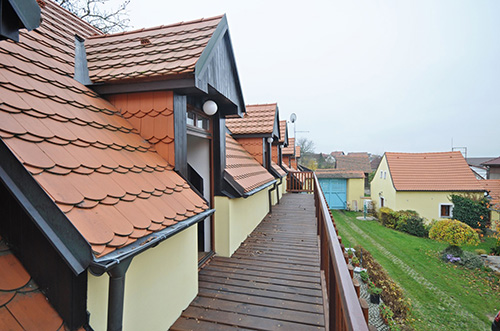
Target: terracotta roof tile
(154,52)
(109,181)
(290,150)
(278,169)
(445,171)
(338,173)
(22,304)
(258,119)
(354,162)
(297,151)
(243,168)
(283,130)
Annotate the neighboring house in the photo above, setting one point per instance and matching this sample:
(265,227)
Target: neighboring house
(475,163)
(259,133)
(355,162)
(423,182)
(110,175)
(374,161)
(289,155)
(343,189)
(493,168)
(492,186)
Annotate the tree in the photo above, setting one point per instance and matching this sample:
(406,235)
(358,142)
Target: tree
(95,12)
(306,146)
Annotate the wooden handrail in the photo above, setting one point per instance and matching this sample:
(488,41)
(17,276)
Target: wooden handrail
(300,181)
(344,308)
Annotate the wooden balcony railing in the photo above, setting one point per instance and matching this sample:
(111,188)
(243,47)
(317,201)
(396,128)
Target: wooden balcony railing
(346,311)
(300,181)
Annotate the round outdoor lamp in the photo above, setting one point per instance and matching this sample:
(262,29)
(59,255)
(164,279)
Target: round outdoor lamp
(270,140)
(210,107)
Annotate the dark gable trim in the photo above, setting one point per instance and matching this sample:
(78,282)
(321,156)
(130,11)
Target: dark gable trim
(65,238)
(276,126)
(18,14)
(180,133)
(216,69)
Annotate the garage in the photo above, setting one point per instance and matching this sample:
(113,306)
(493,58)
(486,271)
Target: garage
(335,190)
(343,189)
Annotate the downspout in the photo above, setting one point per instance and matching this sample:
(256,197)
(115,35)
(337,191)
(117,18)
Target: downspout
(270,198)
(278,191)
(116,295)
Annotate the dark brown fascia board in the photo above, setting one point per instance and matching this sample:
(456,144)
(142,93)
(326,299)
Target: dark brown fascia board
(253,135)
(185,84)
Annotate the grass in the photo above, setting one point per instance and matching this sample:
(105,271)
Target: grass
(444,296)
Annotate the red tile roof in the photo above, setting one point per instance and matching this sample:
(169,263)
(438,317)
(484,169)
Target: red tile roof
(354,162)
(22,305)
(283,130)
(338,173)
(243,168)
(278,169)
(111,183)
(337,153)
(290,149)
(446,171)
(493,187)
(259,119)
(492,162)
(149,53)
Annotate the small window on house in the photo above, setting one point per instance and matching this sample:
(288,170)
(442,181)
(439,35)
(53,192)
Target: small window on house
(385,174)
(381,174)
(190,118)
(197,120)
(445,210)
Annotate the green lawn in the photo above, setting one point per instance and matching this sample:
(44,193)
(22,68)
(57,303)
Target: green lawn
(444,296)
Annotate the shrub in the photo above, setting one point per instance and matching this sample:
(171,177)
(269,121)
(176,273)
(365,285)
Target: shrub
(392,294)
(388,217)
(471,260)
(414,225)
(472,211)
(373,289)
(480,251)
(496,249)
(454,232)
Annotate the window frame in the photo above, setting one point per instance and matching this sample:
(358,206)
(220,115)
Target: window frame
(450,205)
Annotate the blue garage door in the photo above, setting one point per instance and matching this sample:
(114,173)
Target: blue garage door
(335,190)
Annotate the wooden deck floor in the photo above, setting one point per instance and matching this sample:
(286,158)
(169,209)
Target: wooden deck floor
(271,282)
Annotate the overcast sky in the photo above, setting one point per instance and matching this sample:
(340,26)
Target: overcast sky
(374,76)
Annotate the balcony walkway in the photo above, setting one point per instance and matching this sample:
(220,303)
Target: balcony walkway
(271,282)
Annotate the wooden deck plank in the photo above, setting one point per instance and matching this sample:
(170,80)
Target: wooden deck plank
(261,311)
(272,281)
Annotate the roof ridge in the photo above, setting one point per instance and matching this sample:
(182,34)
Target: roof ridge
(158,27)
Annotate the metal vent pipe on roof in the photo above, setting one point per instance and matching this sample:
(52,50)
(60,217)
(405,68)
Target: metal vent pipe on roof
(81,66)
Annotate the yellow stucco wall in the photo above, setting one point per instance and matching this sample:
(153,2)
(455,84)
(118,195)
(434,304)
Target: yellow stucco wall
(279,190)
(495,220)
(160,283)
(235,219)
(382,186)
(355,191)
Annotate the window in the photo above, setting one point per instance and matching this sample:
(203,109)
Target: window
(197,120)
(381,174)
(385,174)
(445,210)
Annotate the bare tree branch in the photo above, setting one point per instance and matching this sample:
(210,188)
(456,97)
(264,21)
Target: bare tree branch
(97,13)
